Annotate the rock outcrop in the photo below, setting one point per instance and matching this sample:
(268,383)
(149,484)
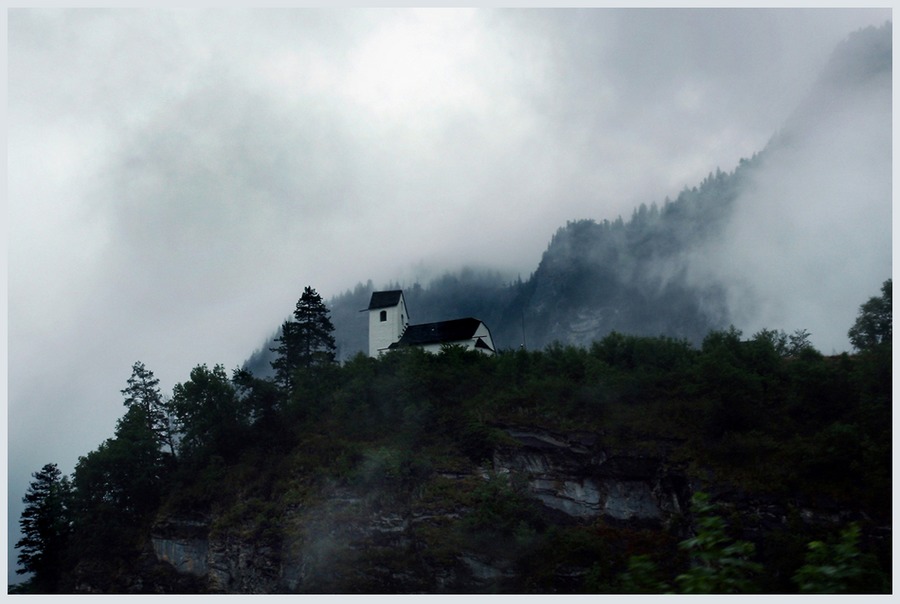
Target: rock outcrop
(376,538)
(573,474)
(370,540)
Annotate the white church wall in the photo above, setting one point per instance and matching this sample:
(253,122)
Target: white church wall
(383,333)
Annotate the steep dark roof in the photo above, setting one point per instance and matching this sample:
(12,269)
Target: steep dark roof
(385,299)
(441,332)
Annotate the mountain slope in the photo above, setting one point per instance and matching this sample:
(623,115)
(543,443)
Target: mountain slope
(708,258)
(565,470)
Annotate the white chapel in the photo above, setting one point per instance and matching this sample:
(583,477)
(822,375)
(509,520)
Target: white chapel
(389,328)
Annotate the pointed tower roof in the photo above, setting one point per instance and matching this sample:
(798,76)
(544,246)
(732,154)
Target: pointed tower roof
(385,299)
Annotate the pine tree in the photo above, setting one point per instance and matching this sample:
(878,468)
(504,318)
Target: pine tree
(143,392)
(45,524)
(306,342)
(115,489)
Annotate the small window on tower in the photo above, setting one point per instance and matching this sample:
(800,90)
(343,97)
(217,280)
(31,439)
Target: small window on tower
(383,315)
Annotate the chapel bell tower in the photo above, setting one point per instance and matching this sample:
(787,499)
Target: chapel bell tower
(388,320)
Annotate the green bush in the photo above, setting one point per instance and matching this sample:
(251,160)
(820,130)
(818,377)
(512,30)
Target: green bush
(841,568)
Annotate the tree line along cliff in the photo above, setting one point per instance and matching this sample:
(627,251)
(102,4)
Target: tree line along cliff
(625,439)
(568,469)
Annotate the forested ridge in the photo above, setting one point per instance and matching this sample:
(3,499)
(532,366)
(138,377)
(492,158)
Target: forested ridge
(765,418)
(625,439)
(644,274)
(594,277)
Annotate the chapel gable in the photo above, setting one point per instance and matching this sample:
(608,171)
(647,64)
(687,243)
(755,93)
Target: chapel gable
(389,328)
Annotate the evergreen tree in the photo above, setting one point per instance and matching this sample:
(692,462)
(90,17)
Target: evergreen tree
(117,486)
(45,525)
(143,392)
(306,342)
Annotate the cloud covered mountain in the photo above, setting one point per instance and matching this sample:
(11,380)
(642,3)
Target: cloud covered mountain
(759,247)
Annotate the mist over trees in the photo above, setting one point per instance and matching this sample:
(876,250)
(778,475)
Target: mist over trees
(594,278)
(671,268)
(769,417)
(614,334)
(709,258)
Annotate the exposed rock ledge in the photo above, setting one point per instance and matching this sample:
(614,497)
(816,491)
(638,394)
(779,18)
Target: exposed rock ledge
(571,474)
(351,541)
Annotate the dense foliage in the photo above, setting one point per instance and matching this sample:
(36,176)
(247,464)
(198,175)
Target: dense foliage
(768,415)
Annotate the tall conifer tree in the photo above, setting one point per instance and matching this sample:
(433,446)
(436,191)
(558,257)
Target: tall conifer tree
(45,524)
(307,341)
(143,392)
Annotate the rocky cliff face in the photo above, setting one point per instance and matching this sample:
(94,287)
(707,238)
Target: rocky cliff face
(571,473)
(368,540)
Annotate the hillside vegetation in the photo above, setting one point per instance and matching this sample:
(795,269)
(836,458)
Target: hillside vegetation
(625,439)
(765,418)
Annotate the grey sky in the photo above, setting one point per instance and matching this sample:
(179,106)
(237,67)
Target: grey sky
(176,177)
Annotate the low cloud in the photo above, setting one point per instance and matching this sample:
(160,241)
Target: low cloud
(811,237)
(177,177)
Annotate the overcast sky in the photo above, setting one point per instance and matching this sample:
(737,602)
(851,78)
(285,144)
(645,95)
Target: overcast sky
(176,177)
